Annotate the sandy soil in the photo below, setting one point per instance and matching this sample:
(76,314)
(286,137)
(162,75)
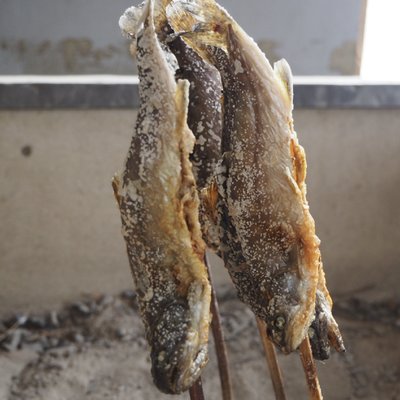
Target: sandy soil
(95,349)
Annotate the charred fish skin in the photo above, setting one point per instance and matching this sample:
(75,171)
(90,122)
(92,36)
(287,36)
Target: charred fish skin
(159,204)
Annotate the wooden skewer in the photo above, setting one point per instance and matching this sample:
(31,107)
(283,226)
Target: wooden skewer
(310,370)
(272,361)
(220,347)
(196,391)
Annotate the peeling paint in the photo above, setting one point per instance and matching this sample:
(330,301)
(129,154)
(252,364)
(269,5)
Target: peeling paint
(343,59)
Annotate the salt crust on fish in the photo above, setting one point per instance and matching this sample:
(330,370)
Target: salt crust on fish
(159,203)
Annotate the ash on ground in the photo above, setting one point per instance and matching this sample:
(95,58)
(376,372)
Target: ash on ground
(95,349)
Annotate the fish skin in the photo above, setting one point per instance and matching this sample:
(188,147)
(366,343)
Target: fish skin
(205,121)
(204,111)
(159,203)
(288,284)
(261,212)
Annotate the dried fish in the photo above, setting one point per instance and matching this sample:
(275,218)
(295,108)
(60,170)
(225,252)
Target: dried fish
(159,203)
(267,233)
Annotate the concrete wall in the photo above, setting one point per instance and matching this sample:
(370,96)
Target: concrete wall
(60,228)
(319,37)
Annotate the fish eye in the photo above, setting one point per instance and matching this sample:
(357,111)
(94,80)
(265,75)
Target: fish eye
(280,322)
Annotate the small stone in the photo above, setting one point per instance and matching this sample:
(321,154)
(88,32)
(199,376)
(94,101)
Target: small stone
(16,321)
(30,337)
(92,306)
(128,294)
(14,341)
(21,319)
(36,322)
(121,332)
(105,301)
(81,308)
(141,341)
(68,351)
(53,366)
(53,342)
(34,346)
(53,319)
(78,338)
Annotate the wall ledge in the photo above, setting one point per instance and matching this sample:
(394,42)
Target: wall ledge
(21,92)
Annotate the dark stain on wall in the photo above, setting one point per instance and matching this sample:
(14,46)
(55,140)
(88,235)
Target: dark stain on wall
(343,60)
(72,55)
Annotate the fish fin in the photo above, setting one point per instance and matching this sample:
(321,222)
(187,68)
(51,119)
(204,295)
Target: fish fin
(299,162)
(182,104)
(131,21)
(200,24)
(209,195)
(284,75)
(293,183)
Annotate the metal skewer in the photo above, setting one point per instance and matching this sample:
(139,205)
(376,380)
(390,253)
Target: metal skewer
(272,361)
(310,370)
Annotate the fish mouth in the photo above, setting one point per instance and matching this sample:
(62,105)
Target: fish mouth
(176,372)
(293,341)
(297,331)
(319,326)
(324,332)
(179,341)
(288,333)
(285,324)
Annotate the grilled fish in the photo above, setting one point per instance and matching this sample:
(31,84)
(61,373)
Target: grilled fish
(205,121)
(267,233)
(159,203)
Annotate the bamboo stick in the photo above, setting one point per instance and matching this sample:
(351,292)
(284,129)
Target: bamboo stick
(310,370)
(196,391)
(220,347)
(272,361)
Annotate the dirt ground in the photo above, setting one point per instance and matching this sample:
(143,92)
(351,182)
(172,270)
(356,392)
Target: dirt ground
(95,349)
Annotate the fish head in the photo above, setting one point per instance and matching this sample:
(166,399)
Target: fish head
(283,315)
(280,315)
(177,356)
